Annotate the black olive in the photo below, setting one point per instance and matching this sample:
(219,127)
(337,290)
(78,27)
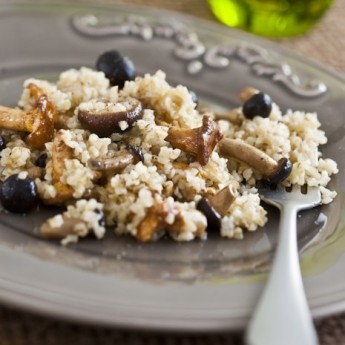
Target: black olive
(41,160)
(19,195)
(194,97)
(2,143)
(212,216)
(259,104)
(117,68)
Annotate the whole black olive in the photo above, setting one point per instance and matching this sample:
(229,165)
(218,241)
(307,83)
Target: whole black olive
(259,104)
(19,195)
(117,68)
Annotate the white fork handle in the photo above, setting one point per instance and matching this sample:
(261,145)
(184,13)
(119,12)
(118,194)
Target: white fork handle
(282,315)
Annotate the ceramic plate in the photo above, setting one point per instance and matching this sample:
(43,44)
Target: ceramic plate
(201,286)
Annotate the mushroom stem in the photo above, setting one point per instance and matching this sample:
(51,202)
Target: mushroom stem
(222,201)
(249,154)
(273,171)
(15,119)
(199,142)
(65,229)
(118,162)
(232,116)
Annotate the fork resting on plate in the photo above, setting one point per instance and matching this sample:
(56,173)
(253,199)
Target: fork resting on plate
(282,316)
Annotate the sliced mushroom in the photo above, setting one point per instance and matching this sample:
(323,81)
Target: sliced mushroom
(222,200)
(155,222)
(274,172)
(182,221)
(152,224)
(198,142)
(68,227)
(60,152)
(39,122)
(122,159)
(105,118)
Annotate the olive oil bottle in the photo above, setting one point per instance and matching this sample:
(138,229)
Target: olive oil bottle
(271,18)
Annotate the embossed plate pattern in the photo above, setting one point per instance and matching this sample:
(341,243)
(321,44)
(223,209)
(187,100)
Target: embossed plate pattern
(199,286)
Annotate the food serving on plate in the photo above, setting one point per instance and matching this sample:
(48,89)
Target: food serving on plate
(137,155)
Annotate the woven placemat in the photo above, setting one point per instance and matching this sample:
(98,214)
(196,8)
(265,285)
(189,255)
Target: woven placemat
(325,44)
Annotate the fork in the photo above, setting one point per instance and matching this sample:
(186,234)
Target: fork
(282,316)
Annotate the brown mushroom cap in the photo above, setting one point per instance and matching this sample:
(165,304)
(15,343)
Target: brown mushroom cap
(122,159)
(103,118)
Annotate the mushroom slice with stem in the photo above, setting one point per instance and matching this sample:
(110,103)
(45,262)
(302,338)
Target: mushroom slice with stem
(105,118)
(274,172)
(198,142)
(122,159)
(39,122)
